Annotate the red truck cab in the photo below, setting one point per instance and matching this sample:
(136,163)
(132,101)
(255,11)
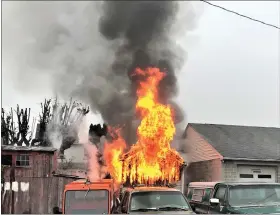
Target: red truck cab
(85,197)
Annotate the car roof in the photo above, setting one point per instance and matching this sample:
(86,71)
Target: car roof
(146,188)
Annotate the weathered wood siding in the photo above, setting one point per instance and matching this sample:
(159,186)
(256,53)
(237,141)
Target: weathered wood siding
(41,164)
(37,195)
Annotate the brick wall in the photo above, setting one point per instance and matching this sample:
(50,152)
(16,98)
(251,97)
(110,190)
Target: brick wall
(204,171)
(230,171)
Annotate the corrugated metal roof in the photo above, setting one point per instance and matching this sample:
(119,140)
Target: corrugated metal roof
(27,148)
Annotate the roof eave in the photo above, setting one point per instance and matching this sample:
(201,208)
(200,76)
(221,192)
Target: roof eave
(250,159)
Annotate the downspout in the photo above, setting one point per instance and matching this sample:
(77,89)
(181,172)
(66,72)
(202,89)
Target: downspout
(183,178)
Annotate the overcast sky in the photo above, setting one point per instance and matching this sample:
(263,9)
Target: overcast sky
(231,75)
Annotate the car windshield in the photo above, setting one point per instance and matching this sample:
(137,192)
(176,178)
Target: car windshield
(158,200)
(248,195)
(87,202)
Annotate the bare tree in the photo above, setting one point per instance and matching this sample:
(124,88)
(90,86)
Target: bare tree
(64,119)
(9,132)
(44,119)
(23,116)
(6,126)
(71,116)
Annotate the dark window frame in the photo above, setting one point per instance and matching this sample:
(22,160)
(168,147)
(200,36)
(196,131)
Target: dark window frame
(26,161)
(263,176)
(245,175)
(10,159)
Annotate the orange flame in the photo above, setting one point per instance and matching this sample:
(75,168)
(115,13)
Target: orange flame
(151,159)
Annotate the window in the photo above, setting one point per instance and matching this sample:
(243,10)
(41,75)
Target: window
(22,160)
(243,195)
(86,202)
(264,176)
(246,176)
(220,194)
(157,199)
(197,195)
(207,194)
(190,192)
(7,160)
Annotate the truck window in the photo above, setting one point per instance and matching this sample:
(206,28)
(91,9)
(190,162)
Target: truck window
(86,201)
(157,199)
(220,194)
(197,195)
(261,194)
(190,192)
(207,194)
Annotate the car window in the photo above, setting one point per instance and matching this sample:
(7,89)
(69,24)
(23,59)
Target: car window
(190,192)
(264,194)
(157,199)
(197,195)
(207,194)
(220,194)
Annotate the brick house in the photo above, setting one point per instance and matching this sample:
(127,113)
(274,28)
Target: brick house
(28,161)
(232,153)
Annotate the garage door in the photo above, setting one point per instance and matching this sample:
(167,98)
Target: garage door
(256,174)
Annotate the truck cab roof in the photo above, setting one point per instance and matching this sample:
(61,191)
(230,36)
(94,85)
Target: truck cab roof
(85,184)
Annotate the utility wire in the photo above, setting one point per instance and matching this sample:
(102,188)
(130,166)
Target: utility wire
(244,16)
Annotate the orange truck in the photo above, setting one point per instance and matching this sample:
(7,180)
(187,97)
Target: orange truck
(85,197)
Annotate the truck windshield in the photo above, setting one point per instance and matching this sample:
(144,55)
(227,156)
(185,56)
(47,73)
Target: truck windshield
(158,200)
(87,202)
(249,195)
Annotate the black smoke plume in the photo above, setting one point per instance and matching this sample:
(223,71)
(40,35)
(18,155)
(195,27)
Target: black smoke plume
(142,30)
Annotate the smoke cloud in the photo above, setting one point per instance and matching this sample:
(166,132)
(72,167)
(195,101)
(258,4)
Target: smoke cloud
(88,50)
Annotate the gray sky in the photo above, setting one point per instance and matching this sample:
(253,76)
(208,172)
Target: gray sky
(231,75)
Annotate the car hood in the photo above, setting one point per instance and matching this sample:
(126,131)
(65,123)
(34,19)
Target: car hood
(271,209)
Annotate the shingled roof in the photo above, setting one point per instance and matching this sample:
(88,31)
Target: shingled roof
(237,142)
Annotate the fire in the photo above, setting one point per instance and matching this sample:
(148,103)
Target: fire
(112,154)
(151,158)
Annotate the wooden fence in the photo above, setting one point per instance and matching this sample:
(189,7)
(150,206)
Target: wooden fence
(32,195)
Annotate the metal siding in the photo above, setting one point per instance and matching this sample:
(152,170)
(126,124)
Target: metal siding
(44,193)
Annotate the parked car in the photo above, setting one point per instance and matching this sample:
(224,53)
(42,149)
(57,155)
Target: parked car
(234,198)
(153,199)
